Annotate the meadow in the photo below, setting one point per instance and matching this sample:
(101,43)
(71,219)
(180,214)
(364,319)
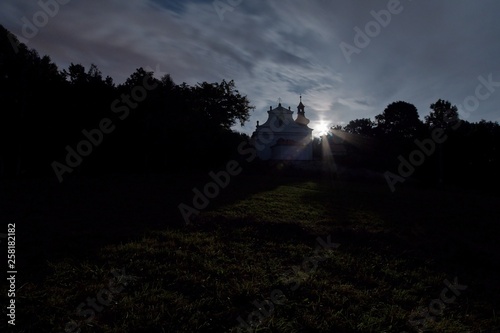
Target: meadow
(271,253)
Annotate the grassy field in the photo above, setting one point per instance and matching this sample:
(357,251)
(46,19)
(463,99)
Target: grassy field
(269,254)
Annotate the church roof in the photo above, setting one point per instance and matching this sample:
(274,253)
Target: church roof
(280,110)
(280,116)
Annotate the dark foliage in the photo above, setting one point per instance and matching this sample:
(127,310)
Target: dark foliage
(467,154)
(154,125)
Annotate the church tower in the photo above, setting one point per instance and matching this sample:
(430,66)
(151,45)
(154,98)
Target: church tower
(301,117)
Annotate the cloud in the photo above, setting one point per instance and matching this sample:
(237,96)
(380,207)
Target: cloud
(280,49)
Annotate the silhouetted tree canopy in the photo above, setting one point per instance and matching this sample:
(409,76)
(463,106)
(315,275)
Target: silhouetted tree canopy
(400,120)
(220,104)
(158,125)
(467,154)
(362,126)
(443,115)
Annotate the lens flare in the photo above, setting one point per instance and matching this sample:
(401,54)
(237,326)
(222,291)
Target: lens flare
(321,128)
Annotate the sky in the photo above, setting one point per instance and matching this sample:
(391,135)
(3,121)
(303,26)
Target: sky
(348,59)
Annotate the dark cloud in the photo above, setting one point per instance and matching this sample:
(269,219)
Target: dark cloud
(430,50)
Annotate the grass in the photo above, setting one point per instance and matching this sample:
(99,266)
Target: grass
(258,237)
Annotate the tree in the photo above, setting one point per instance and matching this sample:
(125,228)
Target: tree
(399,121)
(167,82)
(76,74)
(443,115)
(29,93)
(44,110)
(220,104)
(140,78)
(363,126)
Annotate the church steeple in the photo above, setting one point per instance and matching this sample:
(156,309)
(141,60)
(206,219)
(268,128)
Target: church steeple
(300,107)
(301,117)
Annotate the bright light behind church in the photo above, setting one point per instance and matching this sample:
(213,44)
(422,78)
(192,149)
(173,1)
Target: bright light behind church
(321,128)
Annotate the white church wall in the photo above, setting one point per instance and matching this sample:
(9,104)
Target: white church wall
(282,138)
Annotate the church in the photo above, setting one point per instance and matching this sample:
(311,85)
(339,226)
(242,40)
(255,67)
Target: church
(283,138)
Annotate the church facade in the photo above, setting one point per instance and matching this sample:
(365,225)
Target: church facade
(283,138)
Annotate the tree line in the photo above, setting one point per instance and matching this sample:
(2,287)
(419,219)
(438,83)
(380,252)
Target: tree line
(50,119)
(440,149)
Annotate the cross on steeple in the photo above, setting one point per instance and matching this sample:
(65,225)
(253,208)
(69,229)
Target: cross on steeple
(300,107)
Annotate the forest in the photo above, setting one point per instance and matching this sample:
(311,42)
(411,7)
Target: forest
(52,120)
